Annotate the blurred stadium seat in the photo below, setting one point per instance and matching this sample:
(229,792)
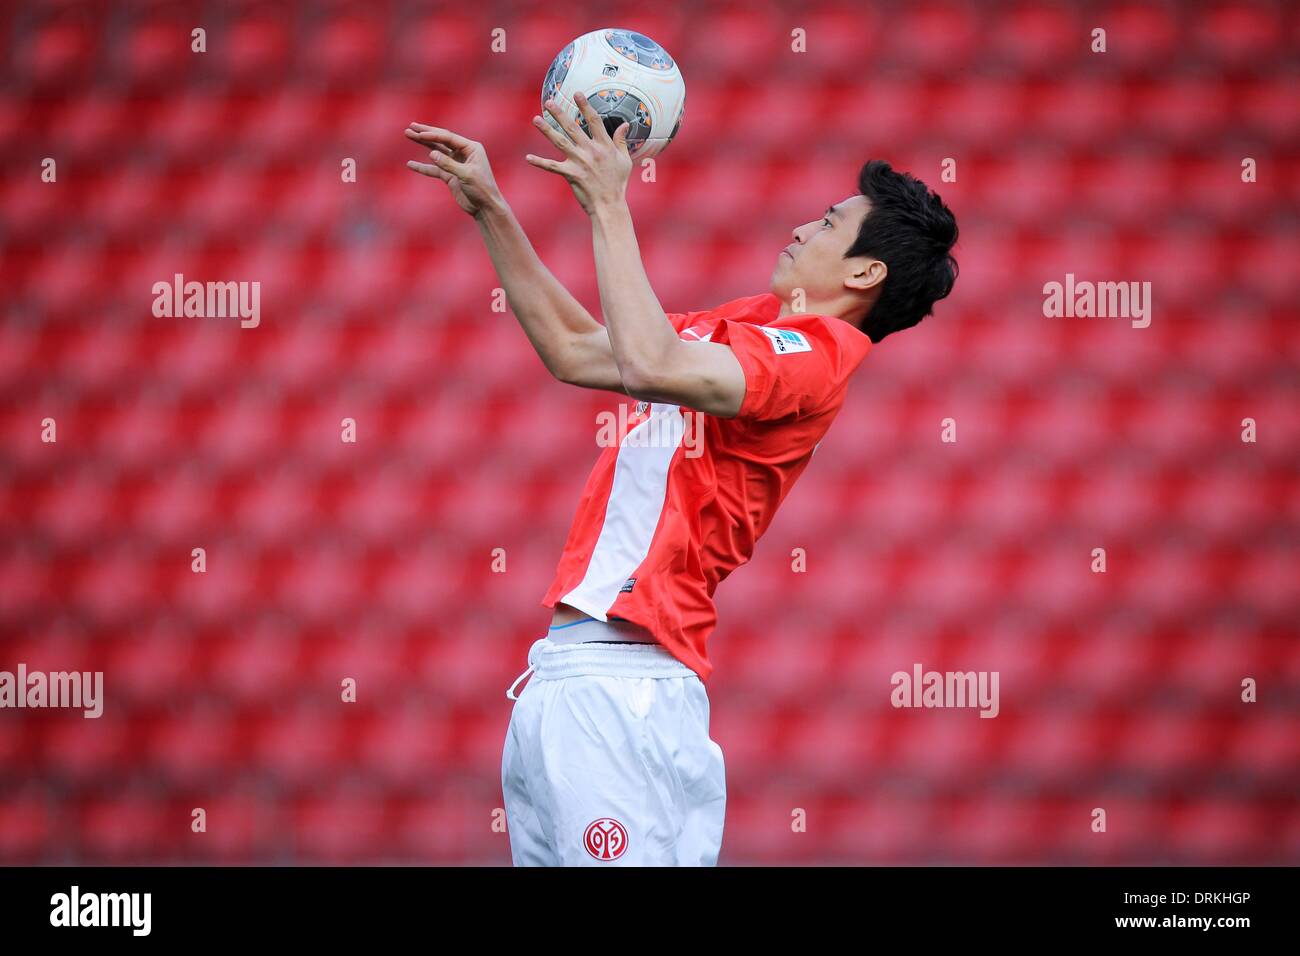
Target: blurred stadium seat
(375,560)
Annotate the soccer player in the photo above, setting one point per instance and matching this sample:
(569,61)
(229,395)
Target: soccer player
(607,758)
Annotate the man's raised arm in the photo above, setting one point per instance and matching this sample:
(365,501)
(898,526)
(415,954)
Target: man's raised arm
(574,347)
(653,362)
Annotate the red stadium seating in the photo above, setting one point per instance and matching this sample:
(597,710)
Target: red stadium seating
(379,560)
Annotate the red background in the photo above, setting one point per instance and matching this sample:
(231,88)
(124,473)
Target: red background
(329,560)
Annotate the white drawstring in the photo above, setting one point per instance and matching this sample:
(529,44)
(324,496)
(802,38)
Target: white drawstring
(510,694)
(532,666)
(618,652)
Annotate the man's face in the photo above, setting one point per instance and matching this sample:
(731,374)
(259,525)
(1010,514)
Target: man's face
(814,260)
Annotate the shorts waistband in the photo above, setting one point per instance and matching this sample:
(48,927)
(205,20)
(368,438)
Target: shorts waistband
(550,661)
(590,629)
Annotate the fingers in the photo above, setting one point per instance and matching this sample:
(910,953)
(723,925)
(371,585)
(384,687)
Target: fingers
(550,165)
(620,135)
(437,147)
(431,134)
(562,142)
(449,165)
(420,140)
(442,167)
(594,122)
(425,169)
(566,122)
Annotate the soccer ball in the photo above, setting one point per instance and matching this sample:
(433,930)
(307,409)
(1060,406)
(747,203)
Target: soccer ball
(626,77)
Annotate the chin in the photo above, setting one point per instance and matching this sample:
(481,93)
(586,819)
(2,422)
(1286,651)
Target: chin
(780,284)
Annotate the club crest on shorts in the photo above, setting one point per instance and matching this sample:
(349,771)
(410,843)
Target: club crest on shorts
(605,839)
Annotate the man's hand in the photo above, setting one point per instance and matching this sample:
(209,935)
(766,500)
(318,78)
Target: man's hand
(460,163)
(596,167)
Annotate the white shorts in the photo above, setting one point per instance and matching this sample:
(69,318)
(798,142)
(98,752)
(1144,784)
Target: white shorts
(608,760)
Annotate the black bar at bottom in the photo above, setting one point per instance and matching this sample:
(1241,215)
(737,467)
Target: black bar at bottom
(333,906)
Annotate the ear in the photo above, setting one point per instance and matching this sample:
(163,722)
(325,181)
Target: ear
(866,275)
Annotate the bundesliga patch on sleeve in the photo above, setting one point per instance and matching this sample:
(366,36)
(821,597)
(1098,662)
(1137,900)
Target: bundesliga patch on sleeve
(786,341)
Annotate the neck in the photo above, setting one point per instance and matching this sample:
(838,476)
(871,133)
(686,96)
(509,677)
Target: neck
(851,312)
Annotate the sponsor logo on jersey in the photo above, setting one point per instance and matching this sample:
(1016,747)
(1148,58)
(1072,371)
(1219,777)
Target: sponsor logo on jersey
(786,341)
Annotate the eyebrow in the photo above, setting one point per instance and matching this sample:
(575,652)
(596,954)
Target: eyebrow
(831,210)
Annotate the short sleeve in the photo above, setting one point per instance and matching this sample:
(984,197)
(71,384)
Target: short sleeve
(797,366)
(681,321)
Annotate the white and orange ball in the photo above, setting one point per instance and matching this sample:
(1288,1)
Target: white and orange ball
(627,77)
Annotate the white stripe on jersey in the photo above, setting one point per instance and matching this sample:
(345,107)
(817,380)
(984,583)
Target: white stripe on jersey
(636,500)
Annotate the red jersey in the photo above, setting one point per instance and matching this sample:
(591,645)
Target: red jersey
(678,502)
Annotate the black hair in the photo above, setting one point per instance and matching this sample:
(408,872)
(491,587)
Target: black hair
(912,232)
